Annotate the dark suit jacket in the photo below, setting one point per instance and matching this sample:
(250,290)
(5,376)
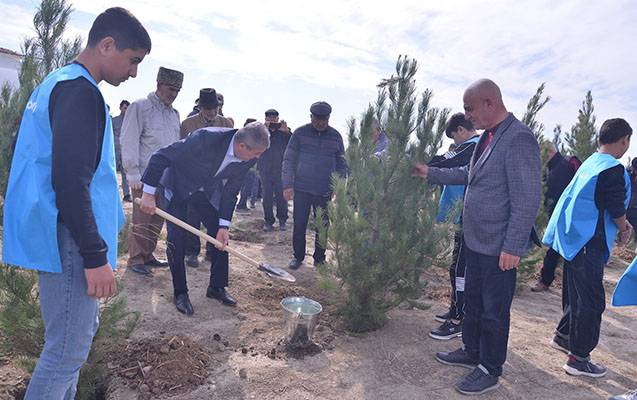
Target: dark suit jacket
(191,163)
(503,190)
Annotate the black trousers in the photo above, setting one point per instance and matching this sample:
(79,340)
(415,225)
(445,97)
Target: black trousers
(273,194)
(193,245)
(551,260)
(631,216)
(177,243)
(585,298)
(457,271)
(249,190)
(303,203)
(488,297)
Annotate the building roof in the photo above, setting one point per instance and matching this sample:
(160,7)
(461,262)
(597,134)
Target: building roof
(10,52)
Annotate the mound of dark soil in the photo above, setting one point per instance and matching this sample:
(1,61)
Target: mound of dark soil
(161,365)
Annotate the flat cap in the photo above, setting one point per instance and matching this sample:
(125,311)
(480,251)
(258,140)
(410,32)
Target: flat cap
(321,109)
(170,77)
(271,111)
(208,98)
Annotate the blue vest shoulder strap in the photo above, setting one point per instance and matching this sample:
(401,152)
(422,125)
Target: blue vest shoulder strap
(575,216)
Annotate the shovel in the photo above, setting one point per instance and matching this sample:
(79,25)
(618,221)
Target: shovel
(271,270)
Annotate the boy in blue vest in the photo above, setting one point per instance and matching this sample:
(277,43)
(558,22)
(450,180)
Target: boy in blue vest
(590,213)
(63,212)
(626,295)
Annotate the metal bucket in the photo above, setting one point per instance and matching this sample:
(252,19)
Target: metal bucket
(301,315)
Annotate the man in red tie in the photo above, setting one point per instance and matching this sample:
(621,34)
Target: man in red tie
(501,202)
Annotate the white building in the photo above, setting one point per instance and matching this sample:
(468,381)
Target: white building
(9,67)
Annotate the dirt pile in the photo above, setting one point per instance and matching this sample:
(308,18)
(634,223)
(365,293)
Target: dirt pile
(624,253)
(174,365)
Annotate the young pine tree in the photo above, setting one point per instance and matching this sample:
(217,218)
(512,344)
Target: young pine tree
(536,103)
(47,51)
(383,232)
(582,139)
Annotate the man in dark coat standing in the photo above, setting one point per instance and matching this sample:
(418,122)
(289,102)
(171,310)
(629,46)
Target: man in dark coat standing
(559,174)
(269,167)
(314,152)
(205,171)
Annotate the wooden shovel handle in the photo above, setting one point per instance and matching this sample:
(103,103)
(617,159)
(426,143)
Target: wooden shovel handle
(201,234)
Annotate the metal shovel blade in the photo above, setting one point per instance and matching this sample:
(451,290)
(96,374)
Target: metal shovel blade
(275,272)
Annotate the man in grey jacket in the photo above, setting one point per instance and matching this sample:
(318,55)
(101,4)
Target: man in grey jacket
(149,125)
(501,202)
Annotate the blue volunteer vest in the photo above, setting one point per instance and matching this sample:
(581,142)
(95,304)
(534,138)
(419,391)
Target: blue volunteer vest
(574,219)
(451,194)
(30,215)
(626,290)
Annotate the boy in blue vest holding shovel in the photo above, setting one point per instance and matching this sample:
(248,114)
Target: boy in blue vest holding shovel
(590,213)
(62,211)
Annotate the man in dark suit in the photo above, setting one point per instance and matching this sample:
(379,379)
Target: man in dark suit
(205,171)
(269,167)
(501,202)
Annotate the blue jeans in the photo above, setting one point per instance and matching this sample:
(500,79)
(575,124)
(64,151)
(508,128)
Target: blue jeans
(487,313)
(71,319)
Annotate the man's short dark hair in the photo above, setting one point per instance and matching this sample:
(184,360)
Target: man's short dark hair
(123,27)
(457,120)
(613,130)
(124,102)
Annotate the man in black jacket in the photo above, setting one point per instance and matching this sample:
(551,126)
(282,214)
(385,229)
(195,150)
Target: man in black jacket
(205,171)
(269,166)
(559,175)
(314,152)
(465,138)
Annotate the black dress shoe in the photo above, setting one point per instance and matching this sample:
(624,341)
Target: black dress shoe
(157,263)
(295,264)
(141,269)
(221,295)
(192,261)
(182,302)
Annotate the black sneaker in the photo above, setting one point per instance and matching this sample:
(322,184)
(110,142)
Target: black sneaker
(192,261)
(632,395)
(577,367)
(561,344)
(458,358)
(479,381)
(283,226)
(444,317)
(448,330)
(267,227)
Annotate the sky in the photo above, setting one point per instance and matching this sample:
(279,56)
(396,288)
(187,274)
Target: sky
(289,54)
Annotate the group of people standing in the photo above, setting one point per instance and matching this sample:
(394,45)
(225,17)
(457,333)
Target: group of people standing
(500,171)
(154,149)
(63,210)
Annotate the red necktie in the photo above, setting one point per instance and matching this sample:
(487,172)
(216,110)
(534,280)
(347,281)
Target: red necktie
(486,142)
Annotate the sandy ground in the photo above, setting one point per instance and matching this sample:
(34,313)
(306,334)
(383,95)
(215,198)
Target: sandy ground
(395,362)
